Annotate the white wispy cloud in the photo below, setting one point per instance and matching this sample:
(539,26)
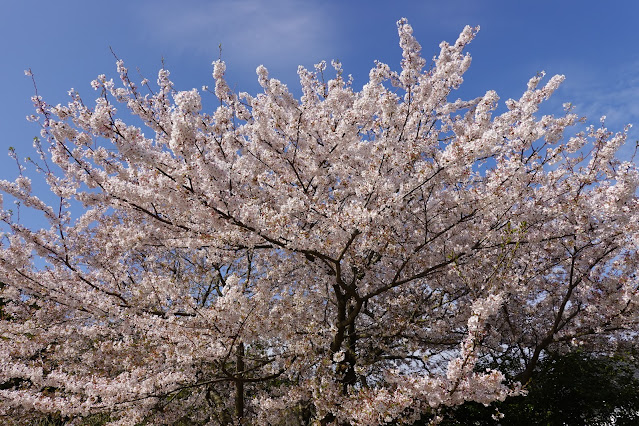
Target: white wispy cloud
(277,33)
(614,93)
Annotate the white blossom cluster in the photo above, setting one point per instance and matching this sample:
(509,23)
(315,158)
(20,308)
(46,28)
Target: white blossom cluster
(351,257)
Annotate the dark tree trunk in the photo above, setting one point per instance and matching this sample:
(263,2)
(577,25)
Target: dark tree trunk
(239,384)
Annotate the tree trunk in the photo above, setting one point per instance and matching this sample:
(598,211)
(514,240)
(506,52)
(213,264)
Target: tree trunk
(239,384)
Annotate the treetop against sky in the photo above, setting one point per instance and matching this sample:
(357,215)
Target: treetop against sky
(66,44)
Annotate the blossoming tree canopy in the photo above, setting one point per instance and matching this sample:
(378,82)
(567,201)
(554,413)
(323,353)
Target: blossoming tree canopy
(347,257)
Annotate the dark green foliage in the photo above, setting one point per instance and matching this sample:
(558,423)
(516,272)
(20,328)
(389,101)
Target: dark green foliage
(568,389)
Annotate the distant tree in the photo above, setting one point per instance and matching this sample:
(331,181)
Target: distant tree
(567,389)
(345,258)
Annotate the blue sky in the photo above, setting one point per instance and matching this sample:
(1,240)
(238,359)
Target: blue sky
(66,44)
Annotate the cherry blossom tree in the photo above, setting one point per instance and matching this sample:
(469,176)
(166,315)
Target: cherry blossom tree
(345,258)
